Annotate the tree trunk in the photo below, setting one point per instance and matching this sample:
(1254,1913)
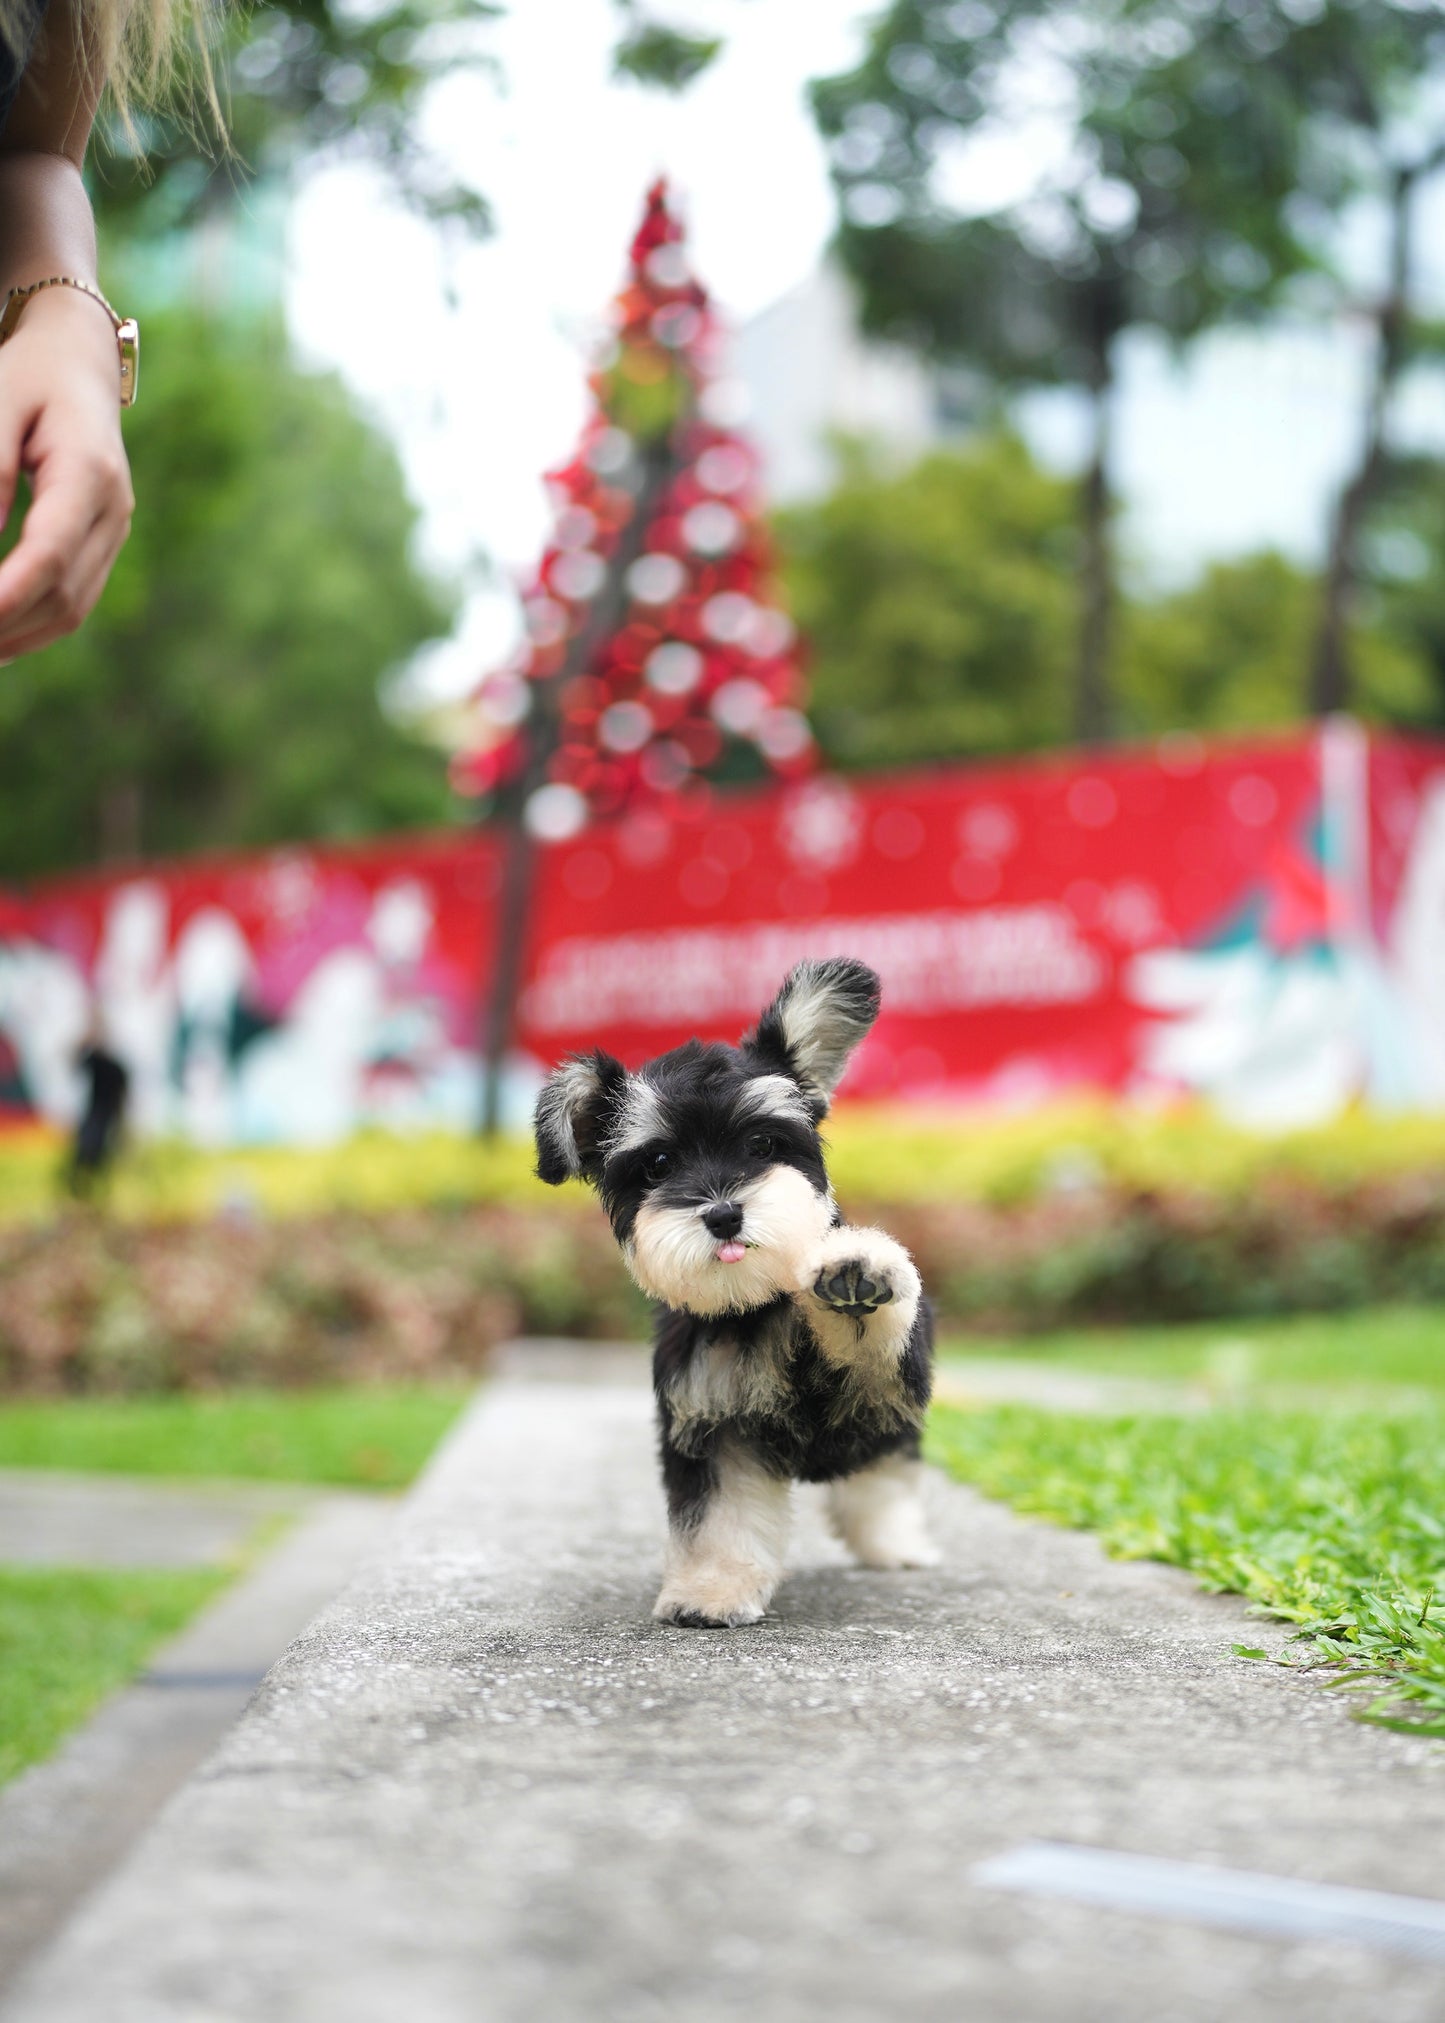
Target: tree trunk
(660,463)
(119,822)
(1093,705)
(514,905)
(1329,673)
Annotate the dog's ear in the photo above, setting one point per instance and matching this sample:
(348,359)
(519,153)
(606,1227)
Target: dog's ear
(578,1101)
(816,1020)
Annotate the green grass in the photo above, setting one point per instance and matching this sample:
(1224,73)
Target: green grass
(1377,1347)
(373,1438)
(68,1637)
(73,1635)
(1334,1521)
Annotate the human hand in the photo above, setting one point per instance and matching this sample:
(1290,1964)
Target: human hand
(60,426)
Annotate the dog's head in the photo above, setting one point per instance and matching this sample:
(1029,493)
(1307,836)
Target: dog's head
(708,1159)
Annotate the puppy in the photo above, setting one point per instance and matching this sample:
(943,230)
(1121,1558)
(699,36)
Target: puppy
(788,1345)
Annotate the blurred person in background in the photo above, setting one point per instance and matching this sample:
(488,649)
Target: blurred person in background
(97,1135)
(67,361)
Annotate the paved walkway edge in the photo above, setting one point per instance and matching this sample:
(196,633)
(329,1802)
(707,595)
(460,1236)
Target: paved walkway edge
(66,1823)
(483,1786)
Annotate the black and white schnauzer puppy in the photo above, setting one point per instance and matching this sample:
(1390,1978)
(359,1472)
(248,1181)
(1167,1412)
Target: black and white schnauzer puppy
(788,1345)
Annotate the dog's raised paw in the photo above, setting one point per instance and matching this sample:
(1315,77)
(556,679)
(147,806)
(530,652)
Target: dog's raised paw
(855,1286)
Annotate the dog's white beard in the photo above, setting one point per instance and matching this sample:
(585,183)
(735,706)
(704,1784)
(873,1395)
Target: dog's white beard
(674,1259)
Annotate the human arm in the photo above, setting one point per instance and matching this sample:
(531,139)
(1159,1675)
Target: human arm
(60,372)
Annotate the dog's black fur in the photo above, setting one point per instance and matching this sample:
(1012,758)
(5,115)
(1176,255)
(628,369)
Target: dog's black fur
(807,1355)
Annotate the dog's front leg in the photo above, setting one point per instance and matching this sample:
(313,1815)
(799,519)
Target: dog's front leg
(728,1532)
(865,1307)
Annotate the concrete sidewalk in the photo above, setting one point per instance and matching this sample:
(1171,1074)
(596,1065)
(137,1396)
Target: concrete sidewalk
(51,1517)
(484,1787)
(65,1823)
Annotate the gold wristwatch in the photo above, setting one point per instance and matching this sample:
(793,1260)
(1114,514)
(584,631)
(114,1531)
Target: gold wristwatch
(127,330)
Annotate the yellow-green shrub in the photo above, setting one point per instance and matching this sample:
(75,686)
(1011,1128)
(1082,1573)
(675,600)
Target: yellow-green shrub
(881,1153)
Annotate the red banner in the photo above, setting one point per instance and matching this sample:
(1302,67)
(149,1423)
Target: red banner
(1263,923)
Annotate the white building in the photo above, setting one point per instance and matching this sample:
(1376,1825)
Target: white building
(811,377)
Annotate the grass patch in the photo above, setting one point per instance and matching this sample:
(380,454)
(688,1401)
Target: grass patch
(1334,1522)
(1380,1346)
(372,1438)
(68,1637)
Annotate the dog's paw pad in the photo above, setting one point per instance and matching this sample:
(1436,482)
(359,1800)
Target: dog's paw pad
(854,1287)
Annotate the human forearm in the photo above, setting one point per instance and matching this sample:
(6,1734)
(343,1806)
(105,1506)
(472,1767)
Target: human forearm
(60,380)
(46,226)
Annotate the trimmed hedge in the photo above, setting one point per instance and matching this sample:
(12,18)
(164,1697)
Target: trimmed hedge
(884,1152)
(88,1304)
(91,1304)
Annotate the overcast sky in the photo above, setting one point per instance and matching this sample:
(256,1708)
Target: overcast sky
(475,361)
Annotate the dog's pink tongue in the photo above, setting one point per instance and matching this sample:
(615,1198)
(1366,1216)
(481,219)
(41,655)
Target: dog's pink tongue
(729,1253)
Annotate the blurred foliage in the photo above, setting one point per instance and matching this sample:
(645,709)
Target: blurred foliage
(1213,146)
(1229,653)
(936,604)
(883,1152)
(1116,1255)
(1405,569)
(105,1306)
(225,691)
(1170,206)
(299,80)
(652,53)
(95,1304)
(167,1180)
(1368,78)
(319,81)
(403,1258)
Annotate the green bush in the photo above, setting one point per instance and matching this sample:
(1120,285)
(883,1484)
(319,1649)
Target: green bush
(124,1307)
(92,1305)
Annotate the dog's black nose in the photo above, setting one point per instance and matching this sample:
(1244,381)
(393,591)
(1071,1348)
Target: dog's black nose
(723,1219)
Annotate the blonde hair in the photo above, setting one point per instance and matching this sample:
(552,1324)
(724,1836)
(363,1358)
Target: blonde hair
(145,52)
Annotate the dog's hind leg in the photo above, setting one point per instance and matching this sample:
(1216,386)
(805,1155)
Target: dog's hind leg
(878,1514)
(728,1533)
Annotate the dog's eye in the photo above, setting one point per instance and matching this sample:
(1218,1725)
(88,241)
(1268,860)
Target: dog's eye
(658,1165)
(759,1146)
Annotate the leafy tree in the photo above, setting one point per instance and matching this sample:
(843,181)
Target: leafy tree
(1366,80)
(308,80)
(938,606)
(225,691)
(298,80)
(1168,208)
(654,52)
(1402,580)
(1225,654)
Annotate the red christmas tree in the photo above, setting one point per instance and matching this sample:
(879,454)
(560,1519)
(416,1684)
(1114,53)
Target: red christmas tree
(656,651)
